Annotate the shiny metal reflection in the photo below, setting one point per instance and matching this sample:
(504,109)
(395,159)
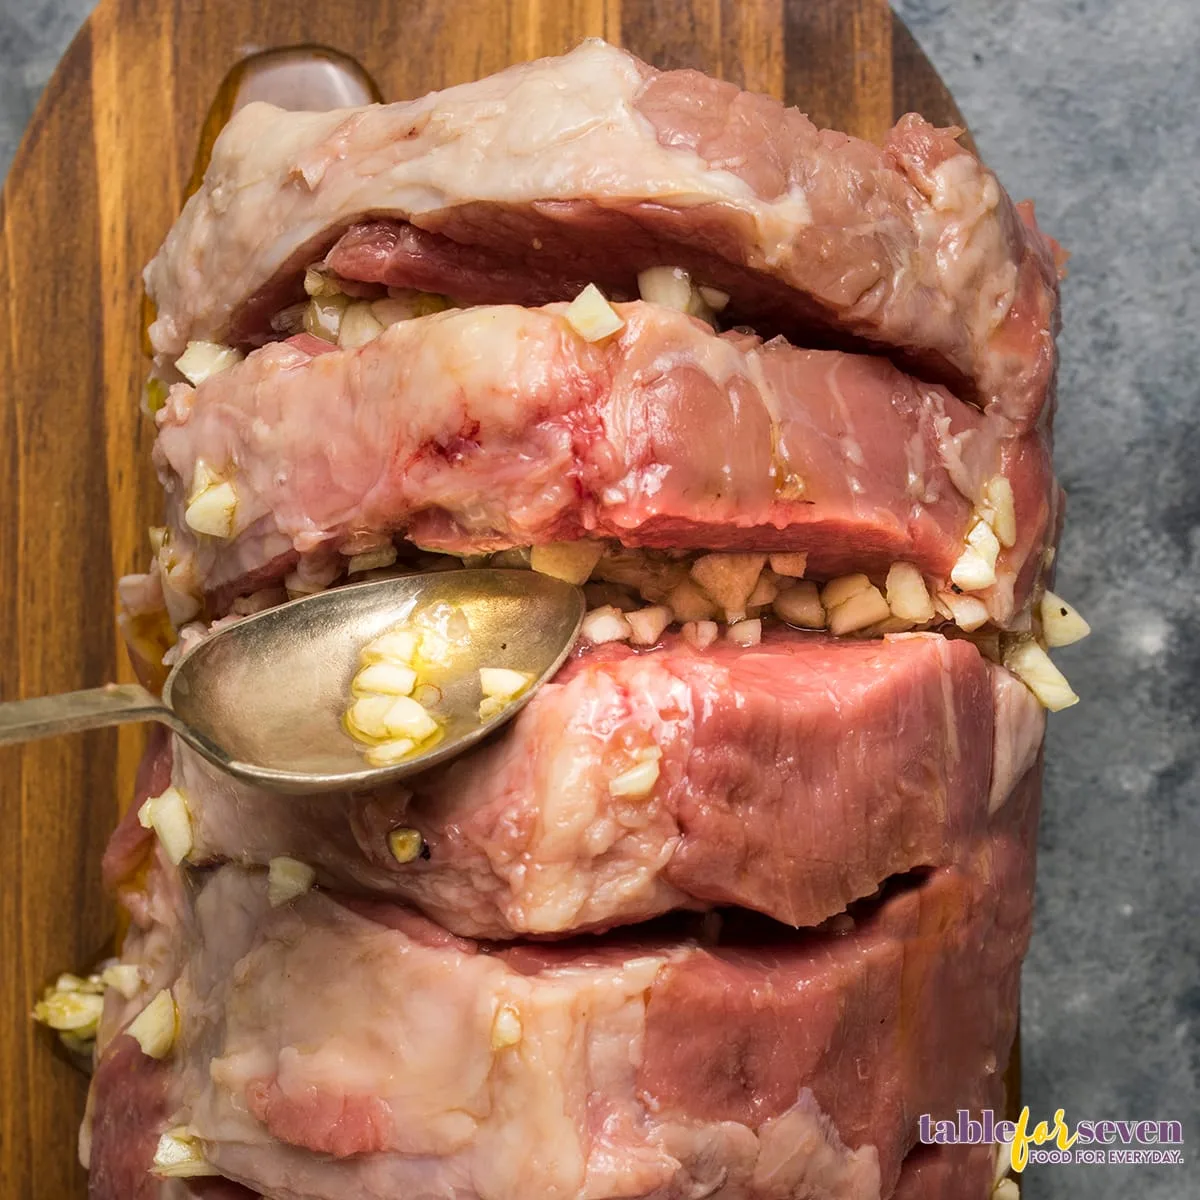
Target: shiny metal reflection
(264,698)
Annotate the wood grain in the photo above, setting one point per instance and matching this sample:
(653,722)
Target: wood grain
(96,183)
(847,47)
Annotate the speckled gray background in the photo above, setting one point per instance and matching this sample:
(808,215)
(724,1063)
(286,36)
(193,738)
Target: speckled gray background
(1089,107)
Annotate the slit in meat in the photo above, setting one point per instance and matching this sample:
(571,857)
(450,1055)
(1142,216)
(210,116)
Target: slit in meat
(629,168)
(790,778)
(372,260)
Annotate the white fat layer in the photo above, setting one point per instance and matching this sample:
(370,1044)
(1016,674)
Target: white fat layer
(963,203)
(1020,728)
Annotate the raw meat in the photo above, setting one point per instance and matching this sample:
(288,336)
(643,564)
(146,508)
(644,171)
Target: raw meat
(595,166)
(487,428)
(795,777)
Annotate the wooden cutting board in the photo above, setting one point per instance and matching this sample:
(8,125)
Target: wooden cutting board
(95,185)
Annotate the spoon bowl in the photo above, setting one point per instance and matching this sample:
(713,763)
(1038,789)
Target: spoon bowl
(264,698)
(268,694)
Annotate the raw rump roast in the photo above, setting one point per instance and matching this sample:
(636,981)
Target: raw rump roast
(749,981)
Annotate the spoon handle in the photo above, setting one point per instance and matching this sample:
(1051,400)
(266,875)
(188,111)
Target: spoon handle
(72,712)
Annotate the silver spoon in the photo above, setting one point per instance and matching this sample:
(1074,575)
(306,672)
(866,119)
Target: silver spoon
(264,699)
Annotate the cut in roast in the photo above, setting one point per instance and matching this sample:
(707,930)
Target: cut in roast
(794,778)
(482,429)
(594,166)
(343,1049)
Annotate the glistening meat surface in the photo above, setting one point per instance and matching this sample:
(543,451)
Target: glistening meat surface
(794,778)
(595,166)
(132,1128)
(488,428)
(351,1049)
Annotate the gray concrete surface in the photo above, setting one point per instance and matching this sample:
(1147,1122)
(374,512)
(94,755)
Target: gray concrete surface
(1088,106)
